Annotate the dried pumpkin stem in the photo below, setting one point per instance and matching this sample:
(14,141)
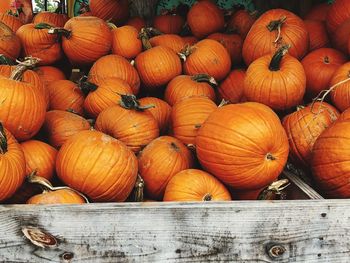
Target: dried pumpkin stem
(270,157)
(19,70)
(186,51)
(145,39)
(277,58)
(223,103)
(207,197)
(129,101)
(274,189)
(139,189)
(85,86)
(276,25)
(6,61)
(204,78)
(54,30)
(326,60)
(112,25)
(3,140)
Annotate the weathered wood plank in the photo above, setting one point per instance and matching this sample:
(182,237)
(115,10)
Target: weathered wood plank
(308,231)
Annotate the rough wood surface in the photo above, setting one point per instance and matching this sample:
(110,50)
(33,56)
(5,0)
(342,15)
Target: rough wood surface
(292,231)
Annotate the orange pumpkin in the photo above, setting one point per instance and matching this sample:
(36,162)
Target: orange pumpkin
(319,66)
(340,94)
(128,122)
(337,14)
(232,88)
(125,42)
(187,117)
(117,67)
(169,23)
(195,185)
(241,22)
(184,86)
(209,57)
(54,19)
(137,22)
(107,176)
(318,12)
(243,145)
(59,126)
(11,21)
(304,126)
(171,41)
(10,44)
(317,34)
(12,164)
(275,27)
(277,81)
(159,161)
(110,10)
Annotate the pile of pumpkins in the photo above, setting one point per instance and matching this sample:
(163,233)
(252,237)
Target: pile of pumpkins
(198,106)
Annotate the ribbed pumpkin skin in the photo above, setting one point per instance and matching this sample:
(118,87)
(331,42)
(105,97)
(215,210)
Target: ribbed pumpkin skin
(137,22)
(188,116)
(233,43)
(318,12)
(319,67)
(10,44)
(159,161)
(11,21)
(161,112)
(23,108)
(241,22)
(106,95)
(62,196)
(303,128)
(117,67)
(53,19)
(340,95)
(243,145)
(174,42)
(91,39)
(134,128)
(280,90)
(317,34)
(205,18)
(65,95)
(184,86)
(59,126)
(115,11)
(338,13)
(330,159)
(48,74)
(232,88)
(12,168)
(209,57)
(341,36)
(98,166)
(157,66)
(195,185)
(125,42)
(41,157)
(169,24)
(40,44)
(260,41)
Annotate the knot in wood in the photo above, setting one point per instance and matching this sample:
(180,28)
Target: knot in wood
(39,238)
(275,250)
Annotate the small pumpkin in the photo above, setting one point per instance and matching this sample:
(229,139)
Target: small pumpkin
(125,42)
(169,23)
(195,185)
(11,21)
(318,34)
(159,161)
(10,44)
(241,22)
(110,10)
(341,87)
(232,87)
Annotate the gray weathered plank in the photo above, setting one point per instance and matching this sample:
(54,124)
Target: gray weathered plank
(309,231)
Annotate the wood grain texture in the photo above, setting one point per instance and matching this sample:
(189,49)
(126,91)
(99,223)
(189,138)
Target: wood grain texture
(309,231)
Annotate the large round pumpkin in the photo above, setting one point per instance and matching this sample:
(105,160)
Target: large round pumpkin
(195,185)
(232,88)
(110,10)
(98,166)
(10,44)
(243,145)
(273,28)
(318,34)
(125,42)
(159,161)
(11,21)
(341,83)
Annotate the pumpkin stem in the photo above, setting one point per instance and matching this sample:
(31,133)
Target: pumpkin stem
(145,39)
(174,146)
(186,51)
(3,140)
(300,107)
(112,26)
(223,103)
(6,61)
(205,78)
(191,147)
(276,25)
(129,101)
(277,58)
(72,111)
(274,189)
(207,197)
(60,31)
(270,157)
(326,60)
(19,70)
(139,189)
(85,86)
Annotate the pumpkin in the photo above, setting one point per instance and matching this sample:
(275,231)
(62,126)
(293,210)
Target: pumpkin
(48,74)
(233,43)
(11,21)
(169,23)
(59,126)
(195,185)
(318,12)
(277,81)
(243,145)
(205,18)
(65,95)
(137,22)
(318,34)
(125,42)
(129,122)
(159,161)
(190,40)
(319,66)
(23,105)
(38,43)
(13,166)
(341,36)
(107,176)
(232,88)
(330,158)
(304,126)
(171,41)
(184,86)
(341,87)
(337,14)
(187,117)
(161,112)
(241,22)
(106,94)
(10,44)
(117,67)
(110,10)
(273,28)
(55,19)
(207,56)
